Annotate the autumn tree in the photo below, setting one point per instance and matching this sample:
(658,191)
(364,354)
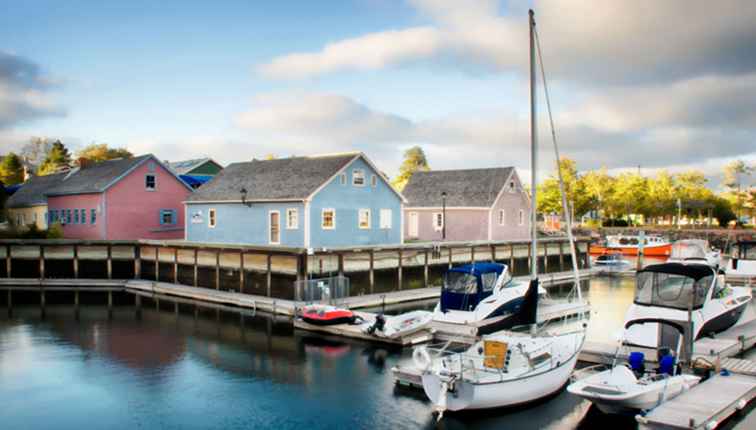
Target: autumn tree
(414,161)
(57,157)
(97,152)
(11,170)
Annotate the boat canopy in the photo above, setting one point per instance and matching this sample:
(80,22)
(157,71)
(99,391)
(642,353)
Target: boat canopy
(673,285)
(466,286)
(689,249)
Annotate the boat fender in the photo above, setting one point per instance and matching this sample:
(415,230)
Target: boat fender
(421,358)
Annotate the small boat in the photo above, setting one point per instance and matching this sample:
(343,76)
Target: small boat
(653,245)
(663,292)
(319,314)
(613,259)
(611,264)
(397,326)
(694,251)
(741,268)
(630,387)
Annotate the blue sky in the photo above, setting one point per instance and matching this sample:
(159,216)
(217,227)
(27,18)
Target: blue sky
(237,80)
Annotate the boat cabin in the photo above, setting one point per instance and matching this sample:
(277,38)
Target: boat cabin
(621,240)
(691,249)
(675,285)
(466,286)
(614,258)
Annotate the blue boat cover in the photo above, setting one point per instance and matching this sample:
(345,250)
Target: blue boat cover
(195,181)
(468,301)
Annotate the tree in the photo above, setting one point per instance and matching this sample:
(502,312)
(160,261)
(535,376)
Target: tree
(57,157)
(721,210)
(414,161)
(733,175)
(101,152)
(35,151)
(11,170)
(662,197)
(550,195)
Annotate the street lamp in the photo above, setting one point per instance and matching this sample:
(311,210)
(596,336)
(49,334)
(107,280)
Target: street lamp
(443,215)
(244,201)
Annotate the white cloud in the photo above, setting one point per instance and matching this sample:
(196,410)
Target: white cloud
(24,92)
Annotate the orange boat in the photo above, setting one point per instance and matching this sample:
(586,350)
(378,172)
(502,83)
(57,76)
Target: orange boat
(653,246)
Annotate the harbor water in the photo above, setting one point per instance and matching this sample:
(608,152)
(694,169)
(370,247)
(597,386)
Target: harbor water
(226,370)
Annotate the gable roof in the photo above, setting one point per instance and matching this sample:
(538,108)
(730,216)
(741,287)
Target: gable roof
(185,166)
(464,188)
(33,191)
(294,178)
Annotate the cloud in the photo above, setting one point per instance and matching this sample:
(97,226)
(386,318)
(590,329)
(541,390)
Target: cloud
(24,92)
(584,41)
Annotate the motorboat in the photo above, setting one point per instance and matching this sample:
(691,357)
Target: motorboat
(741,268)
(480,295)
(628,387)
(676,292)
(694,251)
(321,314)
(651,245)
(612,259)
(398,326)
(611,264)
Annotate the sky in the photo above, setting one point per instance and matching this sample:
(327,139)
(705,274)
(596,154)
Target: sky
(660,85)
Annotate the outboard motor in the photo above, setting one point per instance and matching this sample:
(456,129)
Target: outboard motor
(380,322)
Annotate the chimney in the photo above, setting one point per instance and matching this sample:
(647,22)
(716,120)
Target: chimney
(83,163)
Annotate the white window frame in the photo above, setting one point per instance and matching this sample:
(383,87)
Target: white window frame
(333,219)
(360,213)
(436,217)
(154,182)
(270,227)
(522,217)
(373,181)
(385,218)
(355,174)
(212,218)
(292,225)
(343,178)
(502,217)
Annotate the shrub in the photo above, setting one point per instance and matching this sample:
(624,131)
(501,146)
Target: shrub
(55,231)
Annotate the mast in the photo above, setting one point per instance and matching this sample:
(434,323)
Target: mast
(533,154)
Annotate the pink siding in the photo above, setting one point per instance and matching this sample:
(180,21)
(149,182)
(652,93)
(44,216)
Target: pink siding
(511,203)
(87,202)
(461,224)
(134,213)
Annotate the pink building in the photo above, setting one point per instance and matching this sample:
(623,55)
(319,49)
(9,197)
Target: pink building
(481,204)
(131,198)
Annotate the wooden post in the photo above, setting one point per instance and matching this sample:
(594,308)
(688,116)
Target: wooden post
(76,302)
(399,271)
(157,263)
(493,253)
(76,261)
(241,271)
(450,256)
(110,303)
(341,264)
(268,277)
(545,257)
(110,262)
(561,256)
(10,300)
(157,304)
(472,254)
(217,269)
(530,257)
(195,267)
(175,265)
(8,261)
(301,275)
(372,271)
(511,260)
(41,262)
(425,270)
(137,262)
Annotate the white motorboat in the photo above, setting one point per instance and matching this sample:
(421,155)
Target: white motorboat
(630,387)
(694,251)
(741,268)
(397,326)
(612,259)
(664,292)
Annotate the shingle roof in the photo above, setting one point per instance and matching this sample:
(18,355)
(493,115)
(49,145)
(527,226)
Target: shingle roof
(33,191)
(95,178)
(464,188)
(186,166)
(292,178)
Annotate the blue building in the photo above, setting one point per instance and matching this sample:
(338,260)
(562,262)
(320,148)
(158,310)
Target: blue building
(310,202)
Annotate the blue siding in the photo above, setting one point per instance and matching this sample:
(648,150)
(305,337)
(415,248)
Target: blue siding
(237,223)
(347,200)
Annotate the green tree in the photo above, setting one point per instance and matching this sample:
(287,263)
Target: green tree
(599,188)
(97,152)
(550,196)
(662,197)
(11,170)
(414,161)
(721,210)
(34,152)
(630,195)
(734,174)
(56,158)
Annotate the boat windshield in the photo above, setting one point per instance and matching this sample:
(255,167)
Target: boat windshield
(671,290)
(460,283)
(683,251)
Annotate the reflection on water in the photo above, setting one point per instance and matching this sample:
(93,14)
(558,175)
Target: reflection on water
(226,370)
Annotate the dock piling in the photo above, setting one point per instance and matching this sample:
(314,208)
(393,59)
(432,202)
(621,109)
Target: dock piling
(175,265)
(241,271)
(268,277)
(372,272)
(217,270)
(425,269)
(110,262)
(137,262)
(399,271)
(76,261)
(194,281)
(8,261)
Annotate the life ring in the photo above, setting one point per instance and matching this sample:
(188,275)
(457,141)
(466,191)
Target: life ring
(421,358)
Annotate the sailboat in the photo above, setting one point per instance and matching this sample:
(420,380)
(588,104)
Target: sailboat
(510,367)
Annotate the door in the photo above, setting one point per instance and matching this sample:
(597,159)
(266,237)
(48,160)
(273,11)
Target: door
(275,227)
(414,225)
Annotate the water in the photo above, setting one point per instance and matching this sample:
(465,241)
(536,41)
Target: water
(225,371)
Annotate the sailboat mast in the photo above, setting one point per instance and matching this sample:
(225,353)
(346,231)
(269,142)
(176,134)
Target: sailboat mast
(533,153)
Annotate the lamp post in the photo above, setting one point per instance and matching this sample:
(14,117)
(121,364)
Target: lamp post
(443,215)
(244,201)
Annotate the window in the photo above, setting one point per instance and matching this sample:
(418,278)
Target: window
(522,217)
(328,219)
(76,216)
(512,188)
(502,217)
(93,216)
(292,218)
(150,183)
(385,218)
(438,221)
(342,178)
(83,215)
(363,219)
(151,166)
(373,181)
(167,217)
(211,218)
(358,177)
(275,227)
(18,219)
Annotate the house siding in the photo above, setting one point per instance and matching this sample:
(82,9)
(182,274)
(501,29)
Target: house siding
(237,223)
(27,214)
(462,224)
(511,203)
(87,202)
(347,200)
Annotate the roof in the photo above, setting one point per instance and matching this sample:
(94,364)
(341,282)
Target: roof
(294,178)
(32,193)
(464,188)
(695,271)
(479,268)
(97,177)
(194,180)
(186,166)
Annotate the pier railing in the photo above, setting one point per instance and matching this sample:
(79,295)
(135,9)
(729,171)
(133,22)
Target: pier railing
(270,271)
